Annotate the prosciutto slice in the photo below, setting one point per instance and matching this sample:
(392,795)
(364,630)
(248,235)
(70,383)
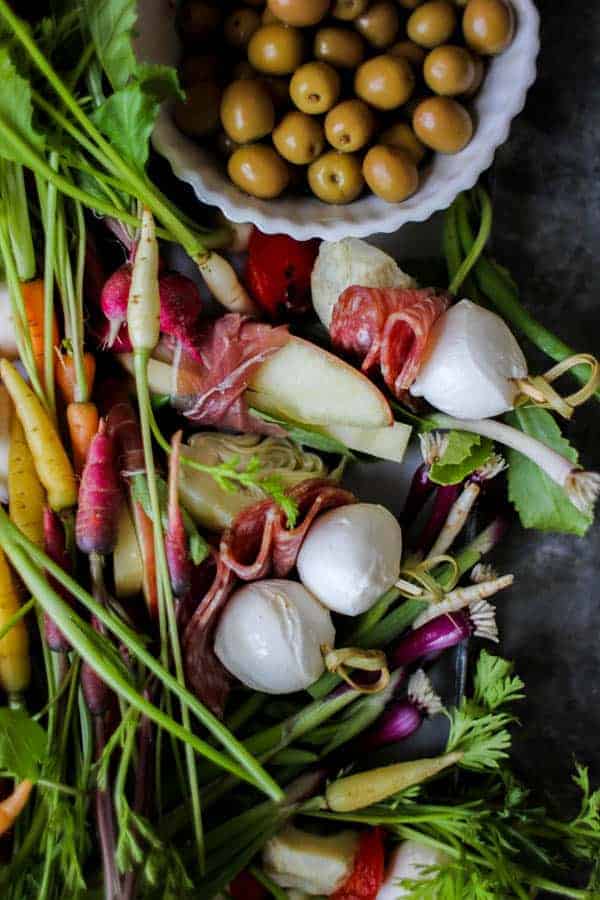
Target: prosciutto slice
(257,544)
(387,328)
(211,382)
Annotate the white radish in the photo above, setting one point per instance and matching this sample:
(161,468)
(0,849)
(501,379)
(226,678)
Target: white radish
(8,338)
(223,283)
(472,365)
(143,306)
(409,861)
(582,488)
(351,556)
(341,264)
(5,419)
(472,596)
(270,636)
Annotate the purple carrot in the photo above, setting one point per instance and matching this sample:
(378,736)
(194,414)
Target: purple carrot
(124,427)
(433,444)
(176,543)
(405,717)
(55,546)
(443,632)
(99,497)
(97,695)
(105,824)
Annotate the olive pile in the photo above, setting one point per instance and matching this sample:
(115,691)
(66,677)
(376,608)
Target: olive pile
(335,94)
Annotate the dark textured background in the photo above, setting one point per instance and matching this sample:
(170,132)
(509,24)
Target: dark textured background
(547,230)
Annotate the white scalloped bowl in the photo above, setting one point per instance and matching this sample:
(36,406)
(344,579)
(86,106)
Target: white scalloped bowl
(501,98)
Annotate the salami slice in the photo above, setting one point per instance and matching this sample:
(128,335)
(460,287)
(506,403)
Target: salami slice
(387,328)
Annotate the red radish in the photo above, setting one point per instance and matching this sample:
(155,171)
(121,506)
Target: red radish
(124,427)
(113,300)
(367,876)
(278,272)
(180,306)
(99,497)
(176,544)
(55,547)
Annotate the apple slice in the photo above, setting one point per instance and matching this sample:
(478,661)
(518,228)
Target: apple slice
(385,443)
(310,385)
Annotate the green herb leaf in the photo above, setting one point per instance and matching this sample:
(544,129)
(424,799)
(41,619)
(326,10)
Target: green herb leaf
(540,502)
(16,108)
(111,24)
(22,745)
(305,435)
(127,117)
(494,685)
(465,453)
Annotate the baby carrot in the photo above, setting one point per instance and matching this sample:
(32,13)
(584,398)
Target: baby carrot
(82,419)
(66,375)
(26,496)
(15,668)
(49,456)
(33,298)
(13,806)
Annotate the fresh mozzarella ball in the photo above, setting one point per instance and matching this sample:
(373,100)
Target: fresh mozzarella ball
(270,636)
(407,861)
(351,556)
(471,358)
(350,261)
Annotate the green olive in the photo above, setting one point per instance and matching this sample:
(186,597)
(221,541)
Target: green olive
(299,138)
(488,25)
(412,52)
(401,135)
(198,114)
(336,177)
(432,23)
(391,173)
(247,111)
(268,16)
(379,24)
(449,70)
(315,87)
(198,21)
(349,125)
(340,47)
(348,10)
(478,77)
(443,124)
(300,13)
(258,170)
(276,49)
(240,25)
(198,68)
(385,82)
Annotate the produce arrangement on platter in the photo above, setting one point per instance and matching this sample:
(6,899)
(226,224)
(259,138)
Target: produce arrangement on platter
(209,645)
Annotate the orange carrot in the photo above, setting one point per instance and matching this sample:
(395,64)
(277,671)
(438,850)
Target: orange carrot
(145,532)
(14,805)
(83,420)
(33,298)
(66,376)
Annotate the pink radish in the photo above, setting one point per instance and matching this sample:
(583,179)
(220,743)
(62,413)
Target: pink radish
(180,306)
(120,341)
(99,497)
(113,300)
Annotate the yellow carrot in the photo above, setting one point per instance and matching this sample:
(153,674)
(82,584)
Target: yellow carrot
(26,496)
(13,806)
(15,669)
(49,456)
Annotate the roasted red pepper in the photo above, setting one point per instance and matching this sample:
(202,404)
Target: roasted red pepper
(245,887)
(278,272)
(367,876)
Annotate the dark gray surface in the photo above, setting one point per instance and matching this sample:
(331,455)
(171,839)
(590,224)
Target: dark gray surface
(547,230)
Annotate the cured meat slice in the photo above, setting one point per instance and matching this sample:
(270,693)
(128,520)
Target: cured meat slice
(257,544)
(404,340)
(210,383)
(387,327)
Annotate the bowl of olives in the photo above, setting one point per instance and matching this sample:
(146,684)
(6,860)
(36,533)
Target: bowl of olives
(336,118)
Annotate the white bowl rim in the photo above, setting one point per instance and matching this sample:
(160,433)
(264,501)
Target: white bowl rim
(305,218)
